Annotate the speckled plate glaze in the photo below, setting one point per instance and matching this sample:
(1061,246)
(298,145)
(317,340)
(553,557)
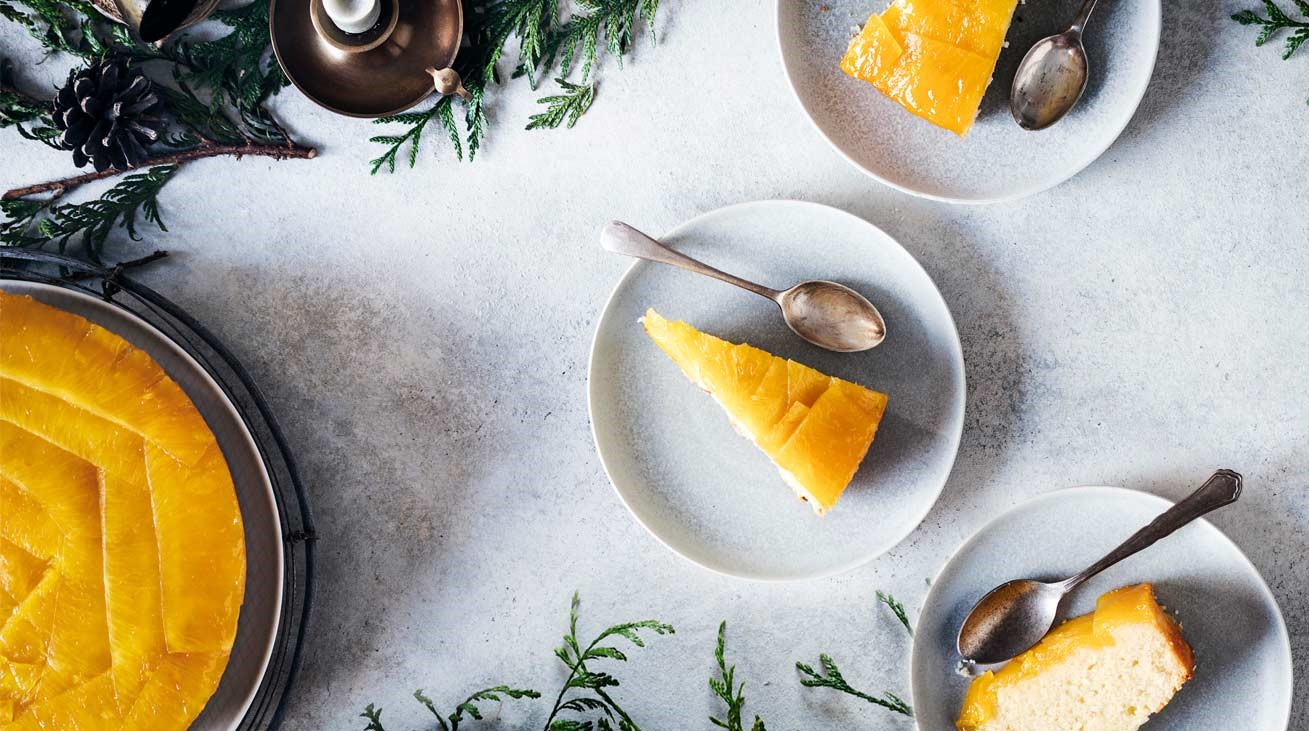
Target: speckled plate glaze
(708,493)
(261,611)
(1230,618)
(998,160)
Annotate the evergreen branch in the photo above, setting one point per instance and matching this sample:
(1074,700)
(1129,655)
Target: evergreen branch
(563,108)
(1276,21)
(18,109)
(468,706)
(544,42)
(897,609)
(610,20)
(725,688)
(834,680)
(587,686)
(63,26)
(413,136)
(374,716)
(36,223)
(205,149)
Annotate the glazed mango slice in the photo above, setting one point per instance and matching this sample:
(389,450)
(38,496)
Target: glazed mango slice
(816,428)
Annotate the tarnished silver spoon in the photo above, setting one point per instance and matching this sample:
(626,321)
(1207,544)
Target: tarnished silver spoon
(826,314)
(1016,615)
(1052,76)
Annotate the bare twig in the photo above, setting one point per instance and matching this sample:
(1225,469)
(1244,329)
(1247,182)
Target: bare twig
(207,149)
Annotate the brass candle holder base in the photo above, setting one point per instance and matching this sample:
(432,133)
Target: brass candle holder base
(372,74)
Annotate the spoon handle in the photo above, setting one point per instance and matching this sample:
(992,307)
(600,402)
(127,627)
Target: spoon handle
(1223,488)
(620,238)
(1083,15)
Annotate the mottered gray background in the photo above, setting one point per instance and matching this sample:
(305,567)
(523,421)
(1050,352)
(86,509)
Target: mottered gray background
(423,337)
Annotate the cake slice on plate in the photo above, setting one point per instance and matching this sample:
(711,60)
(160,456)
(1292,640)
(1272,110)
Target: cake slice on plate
(933,57)
(814,427)
(1104,671)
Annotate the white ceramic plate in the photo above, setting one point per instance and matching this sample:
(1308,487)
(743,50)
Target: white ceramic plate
(1242,651)
(263,534)
(708,493)
(998,160)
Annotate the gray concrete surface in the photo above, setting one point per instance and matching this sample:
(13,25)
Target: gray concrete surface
(423,337)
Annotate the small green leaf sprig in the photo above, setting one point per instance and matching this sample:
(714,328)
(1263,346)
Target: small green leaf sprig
(897,609)
(29,222)
(21,111)
(563,108)
(831,676)
(584,702)
(468,706)
(546,43)
(586,691)
(732,694)
(1277,21)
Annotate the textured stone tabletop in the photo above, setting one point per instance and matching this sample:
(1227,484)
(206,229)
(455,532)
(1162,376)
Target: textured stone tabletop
(423,338)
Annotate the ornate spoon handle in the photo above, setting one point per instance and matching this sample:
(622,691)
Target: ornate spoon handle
(1221,489)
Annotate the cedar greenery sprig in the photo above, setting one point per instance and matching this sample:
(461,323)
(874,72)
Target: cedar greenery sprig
(563,108)
(1276,21)
(218,104)
(18,109)
(612,21)
(468,706)
(832,678)
(544,42)
(35,223)
(897,609)
(726,689)
(585,691)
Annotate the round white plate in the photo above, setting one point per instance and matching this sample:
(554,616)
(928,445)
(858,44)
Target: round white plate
(998,160)
(1242,651)
(254,493)
(708,493)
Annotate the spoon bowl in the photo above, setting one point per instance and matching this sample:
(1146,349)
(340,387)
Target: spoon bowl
(1049,81)
(832,316)
(1009,619)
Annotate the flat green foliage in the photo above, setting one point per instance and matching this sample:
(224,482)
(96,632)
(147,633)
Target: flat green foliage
(544,42)
(34,223)
(728,691)
(1276,21)
(587,692)
(897,609)
(584,702)
(18,110)
(469,706)
(831,678)
(563,108)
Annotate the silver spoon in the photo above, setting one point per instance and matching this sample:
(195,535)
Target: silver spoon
(1016,615)
(1052,76)
(826,314)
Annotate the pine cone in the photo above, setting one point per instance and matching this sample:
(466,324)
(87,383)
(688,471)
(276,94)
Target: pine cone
(108,113)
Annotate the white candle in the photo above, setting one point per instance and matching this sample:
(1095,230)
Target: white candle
(353,16)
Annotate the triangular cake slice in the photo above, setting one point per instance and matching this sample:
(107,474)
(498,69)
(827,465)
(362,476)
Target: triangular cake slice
(933,57)
(815,428)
